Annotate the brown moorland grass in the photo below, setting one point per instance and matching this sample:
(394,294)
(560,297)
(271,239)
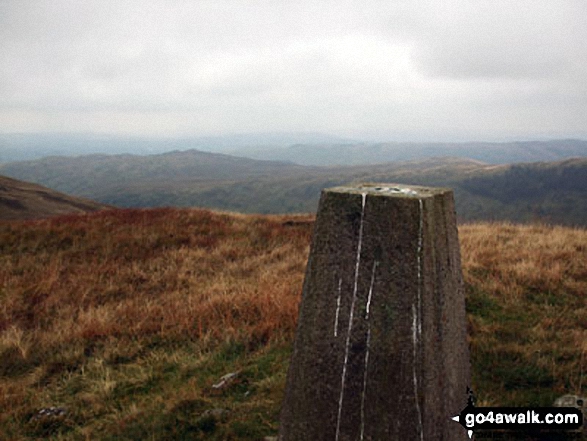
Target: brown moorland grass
(127,318)
(132,273)
(527,301)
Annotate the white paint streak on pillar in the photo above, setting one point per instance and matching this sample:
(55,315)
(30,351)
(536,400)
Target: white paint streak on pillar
(367,309)
(337,307)
(350,325)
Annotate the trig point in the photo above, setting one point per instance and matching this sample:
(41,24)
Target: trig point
(381,346)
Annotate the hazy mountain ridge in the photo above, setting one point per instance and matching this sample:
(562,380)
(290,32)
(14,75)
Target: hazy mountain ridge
(373,153)
(22,200)
(303,148)
(29,146)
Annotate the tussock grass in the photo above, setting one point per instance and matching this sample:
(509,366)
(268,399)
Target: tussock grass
(128,318)
(527,304)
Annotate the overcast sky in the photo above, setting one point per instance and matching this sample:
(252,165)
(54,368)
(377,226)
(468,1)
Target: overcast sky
(399,70)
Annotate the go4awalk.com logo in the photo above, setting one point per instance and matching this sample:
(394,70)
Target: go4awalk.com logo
(519,418)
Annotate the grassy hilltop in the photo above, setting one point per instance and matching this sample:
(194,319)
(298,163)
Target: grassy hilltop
(24,200)
(128,319)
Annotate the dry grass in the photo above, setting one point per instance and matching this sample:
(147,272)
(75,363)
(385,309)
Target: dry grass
(85,297)
(525,258)
(127,274)
(128,317)
(527,302)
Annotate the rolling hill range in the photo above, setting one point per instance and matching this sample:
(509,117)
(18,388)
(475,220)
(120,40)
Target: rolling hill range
(376,153)
(299,147)
(22,200)
(554,192)
(81,174)
(548,192)
(28,146)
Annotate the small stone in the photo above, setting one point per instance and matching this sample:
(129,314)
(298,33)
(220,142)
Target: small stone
(215,413)
(225,380)
(571,401)
(49,412)
(576,402)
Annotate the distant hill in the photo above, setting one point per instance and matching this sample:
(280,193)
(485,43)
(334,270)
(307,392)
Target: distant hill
(28,146)
(296,192)
(548,192)
(87,175)
(370,153)
(555,192)
(22,200)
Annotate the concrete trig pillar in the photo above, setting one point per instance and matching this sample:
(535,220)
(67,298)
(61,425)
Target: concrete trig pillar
(381,347)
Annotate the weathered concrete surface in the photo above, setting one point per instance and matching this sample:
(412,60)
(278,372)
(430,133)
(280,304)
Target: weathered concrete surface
(381,347)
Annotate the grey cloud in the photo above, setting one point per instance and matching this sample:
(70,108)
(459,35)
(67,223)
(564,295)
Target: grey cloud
(411,66)
(488,39)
